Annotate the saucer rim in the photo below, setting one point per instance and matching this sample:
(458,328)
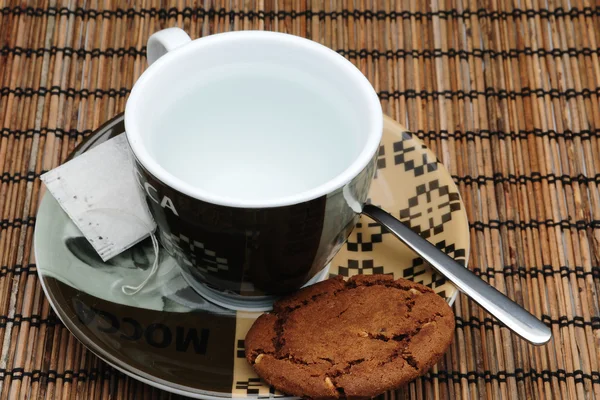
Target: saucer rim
(140,375)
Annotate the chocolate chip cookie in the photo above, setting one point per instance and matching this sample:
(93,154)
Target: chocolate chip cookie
(353,339)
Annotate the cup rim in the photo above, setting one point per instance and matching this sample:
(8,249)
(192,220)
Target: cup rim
(143,156)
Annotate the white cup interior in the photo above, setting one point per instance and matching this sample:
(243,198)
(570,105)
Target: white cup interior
(253,119)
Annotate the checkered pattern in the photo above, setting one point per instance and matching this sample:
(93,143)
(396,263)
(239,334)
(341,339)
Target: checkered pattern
(253,385)
(420,270)
(241,349)
(410,173)
(381,162)
(365,238)
(209,263)
(430,196)
(419,162)
(381,158)
(361,267)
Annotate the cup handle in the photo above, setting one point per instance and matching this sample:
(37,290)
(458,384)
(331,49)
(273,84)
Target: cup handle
(515,317)
(164,41)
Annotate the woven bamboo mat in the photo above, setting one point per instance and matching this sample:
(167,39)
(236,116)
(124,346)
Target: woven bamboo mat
(504,91)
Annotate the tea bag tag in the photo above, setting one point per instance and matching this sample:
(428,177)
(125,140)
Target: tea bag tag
(99,192)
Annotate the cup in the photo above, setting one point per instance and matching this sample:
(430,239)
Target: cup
(255,151)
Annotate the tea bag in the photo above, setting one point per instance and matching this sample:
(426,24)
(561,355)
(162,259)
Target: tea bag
(98,191)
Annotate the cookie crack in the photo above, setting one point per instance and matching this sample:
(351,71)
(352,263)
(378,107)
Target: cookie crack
(395,354)
(400,337)
(343,311)
(306,302)
(295,360)
(410,360)
(347,368)
(409,306)
(278,340)
(435,317)
(384,338)
(404,340)
(333,384)
(256,354)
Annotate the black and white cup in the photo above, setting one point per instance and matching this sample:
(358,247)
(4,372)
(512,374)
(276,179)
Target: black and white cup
(255,151)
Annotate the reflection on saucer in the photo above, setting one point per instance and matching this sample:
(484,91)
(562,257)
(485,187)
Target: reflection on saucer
(82,268)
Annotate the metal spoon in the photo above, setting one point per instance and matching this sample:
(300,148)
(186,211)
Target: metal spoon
(515,317)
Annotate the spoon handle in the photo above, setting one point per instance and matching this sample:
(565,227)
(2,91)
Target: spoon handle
(515,317)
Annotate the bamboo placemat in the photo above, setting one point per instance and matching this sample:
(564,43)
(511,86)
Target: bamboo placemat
(505,92)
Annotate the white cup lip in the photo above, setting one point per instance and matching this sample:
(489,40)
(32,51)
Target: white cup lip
(143,156)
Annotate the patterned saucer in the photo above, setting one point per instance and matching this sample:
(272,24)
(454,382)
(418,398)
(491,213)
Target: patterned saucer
(170,337)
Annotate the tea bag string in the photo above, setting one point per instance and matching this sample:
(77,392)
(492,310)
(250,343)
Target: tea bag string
(131,290)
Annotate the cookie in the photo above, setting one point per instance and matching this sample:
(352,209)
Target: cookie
(353,339)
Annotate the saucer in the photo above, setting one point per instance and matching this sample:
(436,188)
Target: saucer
(170,337)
